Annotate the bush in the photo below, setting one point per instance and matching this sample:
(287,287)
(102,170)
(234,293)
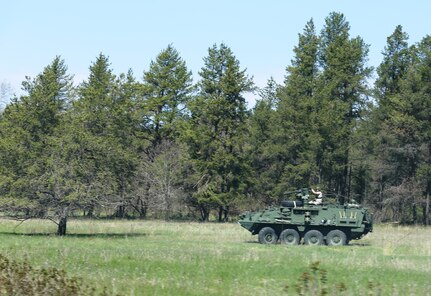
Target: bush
(19,278)
(314,282)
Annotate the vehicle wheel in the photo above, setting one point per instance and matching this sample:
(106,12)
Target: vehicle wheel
(267,236)
(313,237)
(336,238)
(289,237)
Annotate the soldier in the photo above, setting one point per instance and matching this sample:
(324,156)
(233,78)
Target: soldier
(319,197)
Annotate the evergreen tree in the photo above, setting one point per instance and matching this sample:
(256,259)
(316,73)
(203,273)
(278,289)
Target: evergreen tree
(385,158)
(408,121)
(99,147)
(33,183)
(423,116)
(166,89)
(342,98)
(217,131)
(96,98)
(128,118)
(129,137)
(263,157)
(396,61)
(167,85)
(296,130)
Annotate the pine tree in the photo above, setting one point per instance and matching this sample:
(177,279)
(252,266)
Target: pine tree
(217,131)
(34,184)
(166,89)
(297,116)
(408,121)
(96,98)
(262,154)
(168,85)
(342,97)
(386,161)
(396,61)
(102,153)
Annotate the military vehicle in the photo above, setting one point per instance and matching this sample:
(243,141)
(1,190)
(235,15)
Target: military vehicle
(296,221)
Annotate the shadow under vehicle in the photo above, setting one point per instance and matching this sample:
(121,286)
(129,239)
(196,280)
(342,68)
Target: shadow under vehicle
(296,221)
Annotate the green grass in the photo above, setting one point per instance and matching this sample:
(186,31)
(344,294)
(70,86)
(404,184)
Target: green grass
(161,258)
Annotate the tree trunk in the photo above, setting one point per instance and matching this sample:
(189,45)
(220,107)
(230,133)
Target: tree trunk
(415,214)
(121,209)
(62,225)
(205,213)
(142,208)
(427,210)
(226,213)
(220,213)
(345,177)
(223,213)
(349,181)
(120,212)
(90,212)
(143,211)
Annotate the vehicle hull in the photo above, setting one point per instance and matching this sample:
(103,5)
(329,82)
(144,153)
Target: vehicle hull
(351,221)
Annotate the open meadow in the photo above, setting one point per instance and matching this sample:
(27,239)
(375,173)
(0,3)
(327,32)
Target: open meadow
(173,258)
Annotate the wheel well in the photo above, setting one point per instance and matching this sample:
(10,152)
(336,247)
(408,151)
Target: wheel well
(278,228)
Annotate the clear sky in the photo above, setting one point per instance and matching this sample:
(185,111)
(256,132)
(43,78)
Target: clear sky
(261,34)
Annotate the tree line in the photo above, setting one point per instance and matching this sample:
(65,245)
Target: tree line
(166,147)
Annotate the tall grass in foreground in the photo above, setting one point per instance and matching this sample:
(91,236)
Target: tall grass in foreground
(19,278)
(155,257)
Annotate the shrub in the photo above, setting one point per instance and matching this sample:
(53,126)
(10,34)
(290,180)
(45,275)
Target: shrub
(19,278)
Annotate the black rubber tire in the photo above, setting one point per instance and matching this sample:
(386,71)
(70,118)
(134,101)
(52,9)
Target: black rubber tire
(289,237)
(313,238)
(267,236)
(336,238)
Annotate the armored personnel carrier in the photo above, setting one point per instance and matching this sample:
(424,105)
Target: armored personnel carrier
(296,221)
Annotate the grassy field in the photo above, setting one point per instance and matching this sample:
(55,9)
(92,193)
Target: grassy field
(163,258)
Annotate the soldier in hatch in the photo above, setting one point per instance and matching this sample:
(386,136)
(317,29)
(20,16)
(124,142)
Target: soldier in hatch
(318,200)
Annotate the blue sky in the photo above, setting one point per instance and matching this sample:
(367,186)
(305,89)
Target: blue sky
(261,34)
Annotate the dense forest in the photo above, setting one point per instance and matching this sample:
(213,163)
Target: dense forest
(165,147)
